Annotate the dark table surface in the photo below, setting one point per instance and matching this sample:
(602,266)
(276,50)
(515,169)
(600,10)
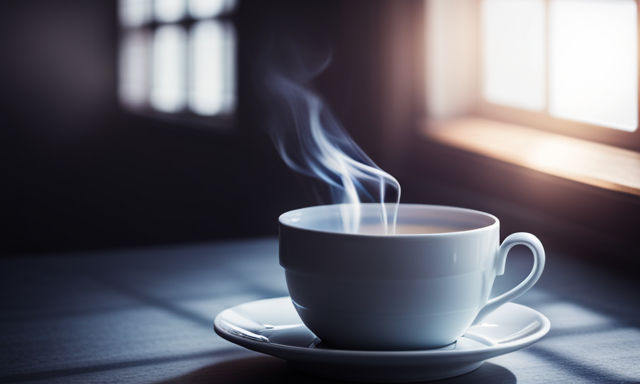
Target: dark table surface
(146,316)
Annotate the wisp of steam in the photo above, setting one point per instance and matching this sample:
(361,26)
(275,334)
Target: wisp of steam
(311,140)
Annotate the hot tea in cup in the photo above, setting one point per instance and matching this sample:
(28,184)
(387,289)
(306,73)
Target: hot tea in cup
(418,287)
(405,229)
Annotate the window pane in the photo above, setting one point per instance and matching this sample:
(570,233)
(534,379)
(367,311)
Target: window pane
(201,9)
(513,43)
(134,68)
(169,11)
(169,64)
(134,13)
(594,62)
(213,62)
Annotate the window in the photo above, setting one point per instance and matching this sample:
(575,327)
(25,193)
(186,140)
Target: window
(177,59)
(498,68)
(571,59)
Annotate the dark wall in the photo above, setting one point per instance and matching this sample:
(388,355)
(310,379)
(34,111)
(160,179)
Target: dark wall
(79,172)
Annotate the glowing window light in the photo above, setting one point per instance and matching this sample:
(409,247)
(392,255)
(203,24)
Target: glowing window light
(134,13)
(168,93)
(201,9)
(133,81)
(165,69)
(594,62)
(513,37)
(212,88)
(169,11)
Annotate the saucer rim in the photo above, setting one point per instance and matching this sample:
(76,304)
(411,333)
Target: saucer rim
(489,350)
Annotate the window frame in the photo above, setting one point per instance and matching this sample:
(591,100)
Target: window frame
(542,120)
(450,111)
(185,115)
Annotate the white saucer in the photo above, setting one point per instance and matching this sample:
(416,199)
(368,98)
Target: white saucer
(273,327)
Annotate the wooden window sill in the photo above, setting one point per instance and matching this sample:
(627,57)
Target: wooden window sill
(587,162)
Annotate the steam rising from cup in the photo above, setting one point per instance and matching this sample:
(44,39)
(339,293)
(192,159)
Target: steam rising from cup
(312,142)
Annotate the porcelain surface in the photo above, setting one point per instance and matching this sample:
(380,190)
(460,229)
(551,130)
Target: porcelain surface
(273,327)
(377,292)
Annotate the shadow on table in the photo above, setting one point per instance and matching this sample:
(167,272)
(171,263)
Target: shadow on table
(265,369)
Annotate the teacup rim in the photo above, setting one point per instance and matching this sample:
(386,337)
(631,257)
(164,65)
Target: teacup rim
(496,222)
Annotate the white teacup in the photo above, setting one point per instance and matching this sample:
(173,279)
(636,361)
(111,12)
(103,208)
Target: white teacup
(411,291)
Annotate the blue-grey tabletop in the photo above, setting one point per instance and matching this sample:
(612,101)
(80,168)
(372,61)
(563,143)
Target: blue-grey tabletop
(146,316)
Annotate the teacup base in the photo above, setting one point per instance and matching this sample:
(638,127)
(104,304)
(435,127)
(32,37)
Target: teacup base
(380,332)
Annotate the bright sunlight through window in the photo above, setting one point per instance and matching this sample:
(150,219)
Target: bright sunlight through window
(178,57)
(578,59)
(514,53)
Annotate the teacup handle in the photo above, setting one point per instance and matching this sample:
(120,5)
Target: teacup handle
(520,238)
